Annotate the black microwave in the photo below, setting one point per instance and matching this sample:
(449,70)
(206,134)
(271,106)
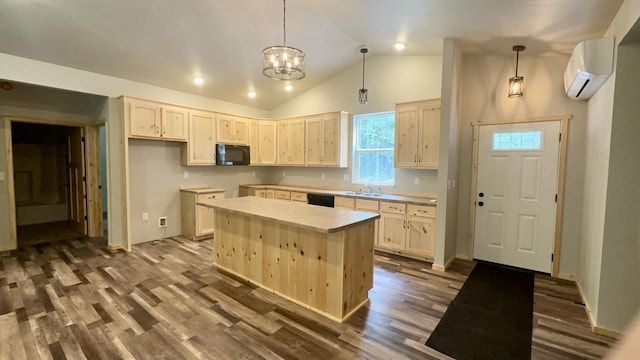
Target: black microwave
(227,154)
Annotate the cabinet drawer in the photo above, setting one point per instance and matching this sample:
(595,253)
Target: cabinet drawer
(283,195)
(344,202)
(392,207)
(421,210)
(365,204)
(210,196)
(298,196)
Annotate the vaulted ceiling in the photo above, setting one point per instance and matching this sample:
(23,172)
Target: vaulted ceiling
(166,43)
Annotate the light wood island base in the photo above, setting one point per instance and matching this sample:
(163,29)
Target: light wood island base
(329,272)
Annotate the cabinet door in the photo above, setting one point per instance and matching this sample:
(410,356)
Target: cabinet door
(392,231)
(314,140)
(283,195)
(174,123)
(144,119)
(331,140)
(297,142)
(254,141)
(284,142)
(344,202)
(430,137)
(204,214)
(421,235)
(201,145)
(225,128)
(267,142)
(407,134)
(241,131)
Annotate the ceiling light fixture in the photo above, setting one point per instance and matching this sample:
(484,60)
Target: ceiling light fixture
(288,87)
(251,94)
(363,93)
(399,45)
(516,83)
(198,80)
(282,62)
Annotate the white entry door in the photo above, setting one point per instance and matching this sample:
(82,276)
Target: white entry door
(516,194)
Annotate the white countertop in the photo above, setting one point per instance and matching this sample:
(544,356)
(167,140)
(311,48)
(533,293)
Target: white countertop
(311,217)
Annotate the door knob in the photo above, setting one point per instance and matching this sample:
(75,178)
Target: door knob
(481,194)
(480,203)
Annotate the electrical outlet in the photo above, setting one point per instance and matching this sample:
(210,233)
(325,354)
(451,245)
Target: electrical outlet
(322,176)
(453,183)
(284,174)
(145,216)
(253,173)
(345,177)
(448,184)
(416,180)
(186,174)
(162,221)
(1,175)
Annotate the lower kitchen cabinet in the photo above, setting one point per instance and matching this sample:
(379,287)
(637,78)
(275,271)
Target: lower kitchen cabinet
(407,229)
(197,220)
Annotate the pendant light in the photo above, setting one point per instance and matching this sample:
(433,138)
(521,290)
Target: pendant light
(282,62)
(516,83)
(363,93)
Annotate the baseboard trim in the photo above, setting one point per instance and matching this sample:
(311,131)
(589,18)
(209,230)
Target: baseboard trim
(567,277)
(443,268)
(596,329)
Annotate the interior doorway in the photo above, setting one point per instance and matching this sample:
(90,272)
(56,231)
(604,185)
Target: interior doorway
(56,190)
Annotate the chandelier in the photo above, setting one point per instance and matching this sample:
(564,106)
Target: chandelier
(282,62)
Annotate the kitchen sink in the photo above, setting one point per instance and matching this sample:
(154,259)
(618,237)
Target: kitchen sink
(361,193)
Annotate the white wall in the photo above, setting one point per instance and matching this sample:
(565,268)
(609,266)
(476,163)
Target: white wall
(446,229)
(485,84)
(390,80)
(609,252)
(158,174)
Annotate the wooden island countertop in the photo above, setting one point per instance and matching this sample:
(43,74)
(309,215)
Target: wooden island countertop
(318,257)
(310,217)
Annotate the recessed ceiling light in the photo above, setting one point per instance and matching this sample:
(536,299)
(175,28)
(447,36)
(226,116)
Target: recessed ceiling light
(198,80)
(399,45)
(288,87)
(251,94)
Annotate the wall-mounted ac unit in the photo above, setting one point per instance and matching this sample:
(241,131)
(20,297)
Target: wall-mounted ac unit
(590,65)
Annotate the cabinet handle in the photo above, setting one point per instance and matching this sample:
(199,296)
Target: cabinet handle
(415,157)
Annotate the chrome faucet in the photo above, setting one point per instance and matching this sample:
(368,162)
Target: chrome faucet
(368,188)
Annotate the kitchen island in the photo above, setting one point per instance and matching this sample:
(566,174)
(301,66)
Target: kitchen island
(318,257)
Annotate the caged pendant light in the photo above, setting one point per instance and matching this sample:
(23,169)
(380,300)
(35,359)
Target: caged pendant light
(363,93)
(516,83)
(282,62)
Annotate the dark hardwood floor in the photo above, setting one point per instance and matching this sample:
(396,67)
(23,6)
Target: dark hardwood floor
(74,299)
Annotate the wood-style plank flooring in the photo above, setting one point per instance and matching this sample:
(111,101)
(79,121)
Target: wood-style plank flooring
(74,299)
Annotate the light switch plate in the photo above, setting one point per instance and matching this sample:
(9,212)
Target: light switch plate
(322,176)
(345,177)
(284,174)
(186,174)
(416,180)
(1,175)
(145,216)
(253,173)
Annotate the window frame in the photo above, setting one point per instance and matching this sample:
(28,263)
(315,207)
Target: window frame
(355,173)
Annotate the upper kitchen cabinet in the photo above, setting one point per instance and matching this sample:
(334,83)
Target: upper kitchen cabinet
(290,140)
(327,139)
(262,141)
(417,134)
(151,120)
(201,147)
(232,129)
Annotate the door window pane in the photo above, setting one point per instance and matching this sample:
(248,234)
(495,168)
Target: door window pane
(518,140)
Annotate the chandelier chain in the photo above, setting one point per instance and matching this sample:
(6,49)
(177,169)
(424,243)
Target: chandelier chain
(284,22)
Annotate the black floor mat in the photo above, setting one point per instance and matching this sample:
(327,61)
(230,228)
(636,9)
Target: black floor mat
(491,318)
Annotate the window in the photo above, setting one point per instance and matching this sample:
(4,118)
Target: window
(517,140)
(374,136)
